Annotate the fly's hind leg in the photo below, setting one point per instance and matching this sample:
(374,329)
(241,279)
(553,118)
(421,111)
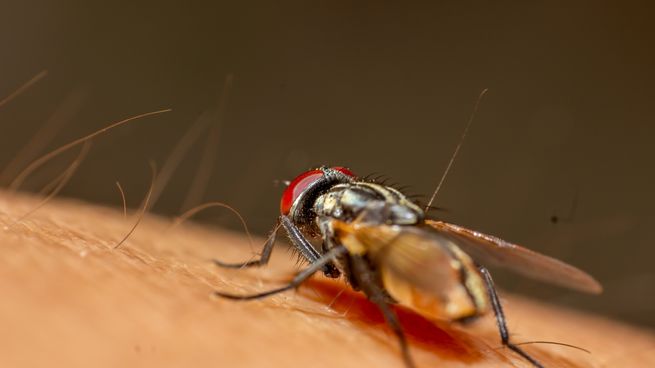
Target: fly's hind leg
(392,320)
(500,319)
(368,282)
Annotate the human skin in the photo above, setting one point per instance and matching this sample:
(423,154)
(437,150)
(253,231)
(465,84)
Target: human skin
(69,299)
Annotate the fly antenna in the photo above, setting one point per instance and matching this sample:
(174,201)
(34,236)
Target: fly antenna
(278,182)
(459,145)
(40,75)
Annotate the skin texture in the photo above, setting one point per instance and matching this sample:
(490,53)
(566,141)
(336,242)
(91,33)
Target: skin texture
(69,299)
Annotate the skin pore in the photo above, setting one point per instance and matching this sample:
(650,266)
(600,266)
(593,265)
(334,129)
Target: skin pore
(70,299)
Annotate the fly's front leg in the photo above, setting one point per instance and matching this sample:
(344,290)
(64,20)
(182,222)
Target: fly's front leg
(297,239)
(263,259)
(500,319)
(299,279)
(304,246)
(328,243)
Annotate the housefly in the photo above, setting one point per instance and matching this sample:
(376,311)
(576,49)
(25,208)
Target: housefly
(385,246)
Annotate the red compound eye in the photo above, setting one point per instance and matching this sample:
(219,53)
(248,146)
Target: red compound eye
(297,187)
(301,183)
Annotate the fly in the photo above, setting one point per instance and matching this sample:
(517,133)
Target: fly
(385,245)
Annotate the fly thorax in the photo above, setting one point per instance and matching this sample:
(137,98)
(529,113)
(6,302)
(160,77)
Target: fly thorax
(368,202)
(343,202)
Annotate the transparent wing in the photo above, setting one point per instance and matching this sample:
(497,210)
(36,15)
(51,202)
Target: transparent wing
(487,249)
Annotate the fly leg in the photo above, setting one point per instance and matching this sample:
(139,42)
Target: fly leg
(263,259)
(297,280)
(500,319)
(330,270)
(369,283)
(297,239)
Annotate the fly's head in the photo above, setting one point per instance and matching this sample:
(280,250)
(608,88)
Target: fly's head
(298,198)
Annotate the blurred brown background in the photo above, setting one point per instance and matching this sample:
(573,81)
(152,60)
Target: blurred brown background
(566,130)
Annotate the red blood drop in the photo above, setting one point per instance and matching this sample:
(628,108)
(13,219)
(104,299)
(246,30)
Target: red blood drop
(297,187)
